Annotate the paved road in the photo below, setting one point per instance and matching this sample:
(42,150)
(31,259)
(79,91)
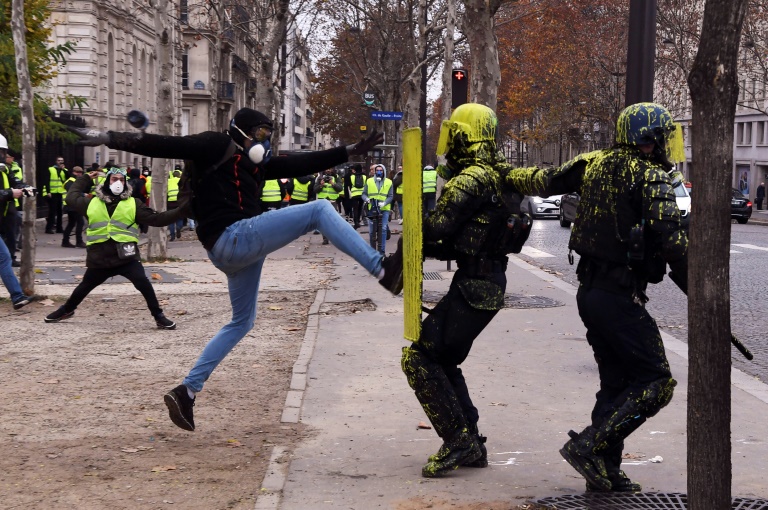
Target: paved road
(547,247)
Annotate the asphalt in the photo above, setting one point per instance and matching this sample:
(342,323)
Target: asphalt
(531,374)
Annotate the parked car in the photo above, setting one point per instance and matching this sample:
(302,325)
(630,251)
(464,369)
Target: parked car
(741,207)
(570,202)
(539,207)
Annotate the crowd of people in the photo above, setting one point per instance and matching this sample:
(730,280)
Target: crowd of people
(247,204)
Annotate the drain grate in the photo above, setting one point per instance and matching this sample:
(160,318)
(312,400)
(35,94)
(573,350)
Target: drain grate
(510,300)
(431,275)
(640,501)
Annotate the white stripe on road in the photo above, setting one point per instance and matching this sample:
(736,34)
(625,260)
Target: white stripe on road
(750,247)
(534,253)
(734,251)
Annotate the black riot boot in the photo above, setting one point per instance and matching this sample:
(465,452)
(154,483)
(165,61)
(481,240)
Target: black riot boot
(582,454)
(462,448)
(620,482)
(480,462)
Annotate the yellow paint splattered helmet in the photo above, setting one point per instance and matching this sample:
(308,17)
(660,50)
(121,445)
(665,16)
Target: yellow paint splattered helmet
(470,123)
(650,123)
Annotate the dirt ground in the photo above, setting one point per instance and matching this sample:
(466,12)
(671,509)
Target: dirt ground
(83,421)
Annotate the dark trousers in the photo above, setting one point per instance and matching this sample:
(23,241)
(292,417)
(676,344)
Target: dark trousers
(627,347)
(447,335)
(53,221)
(356,203)
(759,203)
(133,271)
(74,221)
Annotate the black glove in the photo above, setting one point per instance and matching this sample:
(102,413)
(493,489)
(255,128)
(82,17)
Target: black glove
(90,137)
(363,146)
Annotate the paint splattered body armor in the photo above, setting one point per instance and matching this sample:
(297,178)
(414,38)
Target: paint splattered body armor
(620,190)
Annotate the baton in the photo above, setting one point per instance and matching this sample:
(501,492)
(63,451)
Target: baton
(735,341)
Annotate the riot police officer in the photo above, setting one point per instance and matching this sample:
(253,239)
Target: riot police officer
(477,222)
(627,229)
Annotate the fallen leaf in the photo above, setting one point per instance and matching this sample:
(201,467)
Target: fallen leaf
(129,450)
(423,425)
(79,276)
(137,357)
(234,443)
(182,312)
(275,307)
(529,330)
(497,404)
(156,276)
(53,455)
(46,302)
(160,469)
(39,271)
(50,381)
(292,328)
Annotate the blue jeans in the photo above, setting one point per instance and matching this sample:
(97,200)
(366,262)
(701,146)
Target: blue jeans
(382,230)
(240,252)
(7,275)
(173,227)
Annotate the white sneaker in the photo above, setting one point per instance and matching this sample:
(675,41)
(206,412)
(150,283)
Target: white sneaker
(399,222)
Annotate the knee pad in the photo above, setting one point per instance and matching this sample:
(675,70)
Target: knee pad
(657,395)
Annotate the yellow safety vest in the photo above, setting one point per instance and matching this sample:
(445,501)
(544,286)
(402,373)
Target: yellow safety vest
(148,185)
(19,174)
(379,194)
(121,227)
(355,191)
(429,181)
(98,181)
(328,191)
(173,188)
(300,191)
(71,179)
(6,185)
(56,185)
(271,191)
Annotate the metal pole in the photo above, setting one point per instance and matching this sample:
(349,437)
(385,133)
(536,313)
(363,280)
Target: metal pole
(641,51)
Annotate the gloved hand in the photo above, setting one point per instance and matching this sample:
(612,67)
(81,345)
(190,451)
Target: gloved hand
(90,137)
(363,146)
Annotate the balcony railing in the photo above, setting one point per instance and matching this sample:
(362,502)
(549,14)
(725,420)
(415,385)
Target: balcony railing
(226,90)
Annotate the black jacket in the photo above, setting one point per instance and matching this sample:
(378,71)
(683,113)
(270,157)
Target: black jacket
(226,184)
(104,255)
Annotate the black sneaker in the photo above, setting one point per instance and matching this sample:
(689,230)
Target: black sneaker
(164,322)
(59,315)
(480,462)
(81,245)
(15,263)
(180,407)
(461,449)
(21,302)
(620,482)
(393,270)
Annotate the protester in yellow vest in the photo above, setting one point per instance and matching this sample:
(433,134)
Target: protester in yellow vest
(53,190)
(13,239)
(75,220)
(429,188)
(356,188)
(174,229)
(112,239)
(328,187)
(380,190)
(302,190)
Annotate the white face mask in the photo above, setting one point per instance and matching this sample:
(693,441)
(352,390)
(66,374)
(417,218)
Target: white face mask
(117,187)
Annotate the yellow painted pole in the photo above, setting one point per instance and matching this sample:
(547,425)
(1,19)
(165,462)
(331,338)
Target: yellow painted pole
(413,275)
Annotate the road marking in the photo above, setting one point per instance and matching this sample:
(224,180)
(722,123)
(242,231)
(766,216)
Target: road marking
(534,253)
(750,247)
(734,251)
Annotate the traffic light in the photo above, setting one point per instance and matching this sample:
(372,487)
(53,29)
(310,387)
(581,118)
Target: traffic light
(459,87)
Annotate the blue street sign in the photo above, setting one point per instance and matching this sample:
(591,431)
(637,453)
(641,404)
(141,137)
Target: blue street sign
(379,115)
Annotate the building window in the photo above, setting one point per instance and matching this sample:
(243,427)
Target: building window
(185,69)
(297,100)
(296,120)
(183,11)
(185,115)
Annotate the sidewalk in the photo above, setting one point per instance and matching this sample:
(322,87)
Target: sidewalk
(531,375)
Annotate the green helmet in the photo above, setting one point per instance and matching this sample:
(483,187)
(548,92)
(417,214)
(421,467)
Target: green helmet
(650,123)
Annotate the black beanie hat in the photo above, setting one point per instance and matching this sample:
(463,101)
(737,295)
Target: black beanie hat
(247,119)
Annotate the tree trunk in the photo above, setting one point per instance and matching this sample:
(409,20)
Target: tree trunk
(29,145)
(450,28)
(274,29)
(714,91)
(485,73)
(158,241)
